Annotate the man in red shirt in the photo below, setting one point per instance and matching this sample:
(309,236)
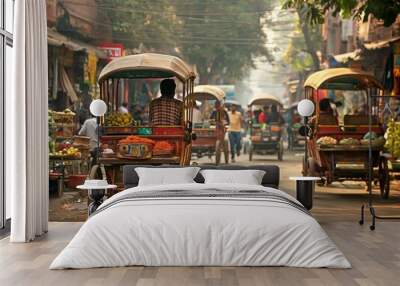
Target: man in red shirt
(262,117)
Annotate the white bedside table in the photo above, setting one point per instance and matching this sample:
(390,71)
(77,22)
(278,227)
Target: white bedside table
(96,194)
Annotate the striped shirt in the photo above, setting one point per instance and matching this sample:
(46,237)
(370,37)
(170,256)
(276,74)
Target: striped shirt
(165,111)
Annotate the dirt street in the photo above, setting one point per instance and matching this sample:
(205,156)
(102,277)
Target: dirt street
(338,202)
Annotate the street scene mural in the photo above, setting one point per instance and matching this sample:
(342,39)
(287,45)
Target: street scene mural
(239,71)
(203,142)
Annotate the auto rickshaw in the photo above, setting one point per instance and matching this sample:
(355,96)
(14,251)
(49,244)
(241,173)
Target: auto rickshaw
(210,132)
(342,146)
(293,120)
(265,137)
(126,141)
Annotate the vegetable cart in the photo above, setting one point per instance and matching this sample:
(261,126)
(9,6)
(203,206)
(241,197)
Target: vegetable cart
(343,149)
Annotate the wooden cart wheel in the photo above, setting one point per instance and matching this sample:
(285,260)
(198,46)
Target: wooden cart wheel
(306,167)
(280,151)
(188,154)
(218,152)
(312,168)
(329,178)
(384,178)
(290,142)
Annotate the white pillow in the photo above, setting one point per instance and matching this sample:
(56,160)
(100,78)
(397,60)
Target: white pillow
(248,177)
(166,176)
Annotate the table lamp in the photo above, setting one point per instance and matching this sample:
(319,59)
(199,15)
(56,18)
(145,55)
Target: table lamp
(306,109)
(98,108)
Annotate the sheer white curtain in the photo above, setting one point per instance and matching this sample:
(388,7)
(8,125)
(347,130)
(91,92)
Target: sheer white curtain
(26,121)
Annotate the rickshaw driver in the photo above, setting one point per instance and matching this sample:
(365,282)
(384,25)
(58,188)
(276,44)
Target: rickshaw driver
(325,109)
(219,112)
(166,110)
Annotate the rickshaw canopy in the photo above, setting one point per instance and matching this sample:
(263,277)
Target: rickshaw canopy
(264,100)
(207,92)
(342,79)
(147,65)
(232,102)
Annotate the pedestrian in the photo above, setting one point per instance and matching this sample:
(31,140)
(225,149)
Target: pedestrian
(197,115)
(89,129)
(234,132)
(123,108)
(221,118)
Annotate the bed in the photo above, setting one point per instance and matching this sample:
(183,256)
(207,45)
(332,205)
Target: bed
(198,224)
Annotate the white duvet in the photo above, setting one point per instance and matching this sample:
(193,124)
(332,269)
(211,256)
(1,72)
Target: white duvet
(200,231)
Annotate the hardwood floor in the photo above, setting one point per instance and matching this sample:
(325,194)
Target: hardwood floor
(375,257)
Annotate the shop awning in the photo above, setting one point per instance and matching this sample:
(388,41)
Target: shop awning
(352,56)
(56,39)
(67,86)
(381,44)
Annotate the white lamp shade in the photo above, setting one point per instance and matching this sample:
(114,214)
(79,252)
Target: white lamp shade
(305,107)
(98,107)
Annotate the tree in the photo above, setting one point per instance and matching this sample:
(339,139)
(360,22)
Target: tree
(220,37)
(302,51)
(297,55)
(385,10)
(142,24)
(310,36)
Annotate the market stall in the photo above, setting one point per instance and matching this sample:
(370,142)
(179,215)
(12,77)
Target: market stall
(125,141)
(68,153)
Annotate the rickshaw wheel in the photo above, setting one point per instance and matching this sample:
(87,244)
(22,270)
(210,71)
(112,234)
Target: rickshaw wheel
(306,167)
(312,167)
(329,179)
(218,152)
(384,178)
(290,142)
(280,152)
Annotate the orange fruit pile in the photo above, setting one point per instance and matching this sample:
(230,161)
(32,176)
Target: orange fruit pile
(163,146)
(136,140)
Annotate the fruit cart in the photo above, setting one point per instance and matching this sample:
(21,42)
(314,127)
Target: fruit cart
(390,158)
(266,138)
(295,139)
(126,142)
(345,149)
(68,154)
(210,134)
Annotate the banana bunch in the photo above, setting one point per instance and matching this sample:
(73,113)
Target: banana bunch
(392,137)
(68,151)
(118,119)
